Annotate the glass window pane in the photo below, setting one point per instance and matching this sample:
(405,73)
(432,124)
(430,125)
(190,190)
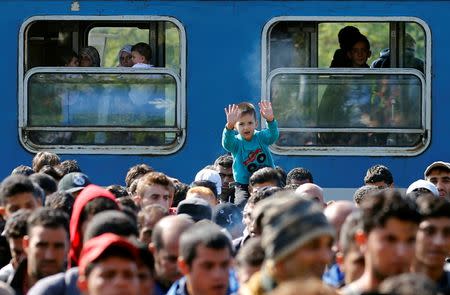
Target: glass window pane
(333,101)
(127,100)
(414,47)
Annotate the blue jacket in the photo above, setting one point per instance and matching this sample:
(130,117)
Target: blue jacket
(249,156)
(180,288)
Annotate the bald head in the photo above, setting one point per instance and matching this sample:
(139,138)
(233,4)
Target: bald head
(170,228)
(312,190)
(337,212)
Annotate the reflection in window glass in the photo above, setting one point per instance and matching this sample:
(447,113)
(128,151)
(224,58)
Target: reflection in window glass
(102,100)
(414,47)
(348,101)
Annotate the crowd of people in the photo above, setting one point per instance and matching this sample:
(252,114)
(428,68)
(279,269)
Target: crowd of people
(243,226)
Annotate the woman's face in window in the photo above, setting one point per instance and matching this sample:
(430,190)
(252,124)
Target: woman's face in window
(125,59)
(85,61)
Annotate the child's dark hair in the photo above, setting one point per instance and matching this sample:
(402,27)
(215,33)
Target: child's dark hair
(361,38)
(246,108)
(143,49)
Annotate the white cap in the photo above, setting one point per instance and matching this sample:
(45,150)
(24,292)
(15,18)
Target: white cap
(438,164)
(423,184)
(210,175)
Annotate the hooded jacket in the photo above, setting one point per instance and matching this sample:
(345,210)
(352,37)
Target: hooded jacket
(89,193)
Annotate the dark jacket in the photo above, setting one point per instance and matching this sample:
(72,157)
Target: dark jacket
(64,283)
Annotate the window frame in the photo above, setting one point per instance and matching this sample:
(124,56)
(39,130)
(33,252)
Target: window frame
(425,78)
(180,79)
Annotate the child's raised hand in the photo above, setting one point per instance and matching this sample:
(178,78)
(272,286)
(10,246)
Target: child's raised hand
(232,113)
(265,108)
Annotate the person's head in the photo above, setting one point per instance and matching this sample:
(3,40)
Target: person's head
(180,193)
(297,238)
(67,58)
(22,170)
(111,221)
(44,158)
(359,52)
(408,284)
(364,192)
(205,259)
(433,236)
(46,243)
(313,191)
(73,183)
(15,230)
(17,192)
(154,188)
(164,246)
(118,190)
(60,200)
(249,259)
(247,123)
(336,214)
(229,216)
(263,177)
(299,176)
(349,256)
(390,224)
(52,171)
(125,58)
(45,181)
(89,57)
(91,201)
(380,176)
(438,173)
(224,165)
(147,219)
(108,266)
(209,175)
(202,193)
(136,172)
(346,36)
(423,187)
(141,53)
(308,286)
(146,268)
(68,166)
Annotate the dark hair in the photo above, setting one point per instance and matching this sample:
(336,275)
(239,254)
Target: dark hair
(52,171)
(282,175)
(16,226)
(206,183)
(136,172)
(349,228)
(299,174)
(118,190)
(60,200)
(49,218)
(225,161)
(378,173)
(246,108)
(23,170)
(360,38)
(65,56)
(364,192)
(127,202)
(251,253)
(263,193)
(111,221)
(207,234)
(432,207)
(112,251)
(143,49)
(97,205)
(45,158)
(13,185)
(68,166)
(264,175)
(386,204)
(346,35)
(180,193)
(145,256)
(45,181)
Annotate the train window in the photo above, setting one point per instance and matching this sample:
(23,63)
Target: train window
(106,109)
(324,107)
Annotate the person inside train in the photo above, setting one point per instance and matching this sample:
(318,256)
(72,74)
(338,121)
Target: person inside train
(141,55)
(346,36)
(68,58)
(89,57)
(124,56)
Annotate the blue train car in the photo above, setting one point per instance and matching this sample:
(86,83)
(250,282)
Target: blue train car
(208,54)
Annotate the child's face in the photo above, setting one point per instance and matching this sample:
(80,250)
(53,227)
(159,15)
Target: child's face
(359,54)
(73,62)
(246,126)
(137,58)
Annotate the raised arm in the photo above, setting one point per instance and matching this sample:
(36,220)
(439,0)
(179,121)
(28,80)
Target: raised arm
(265,108)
